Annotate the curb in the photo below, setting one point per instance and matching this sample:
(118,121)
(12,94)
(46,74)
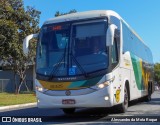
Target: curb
(20,106)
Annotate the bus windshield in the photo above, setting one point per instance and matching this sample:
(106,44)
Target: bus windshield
(72,49)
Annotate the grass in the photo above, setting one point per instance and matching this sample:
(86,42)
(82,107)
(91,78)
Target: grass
(14,99)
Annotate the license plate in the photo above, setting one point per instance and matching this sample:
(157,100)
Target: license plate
(68,101)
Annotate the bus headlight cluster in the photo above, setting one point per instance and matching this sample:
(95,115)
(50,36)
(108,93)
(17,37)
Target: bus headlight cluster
(39,88)
(102,85)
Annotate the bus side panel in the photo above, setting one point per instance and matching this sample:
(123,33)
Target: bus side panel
(141,60)
(117,86)
(120,74)
(142,73)
(131,69)
(128,74)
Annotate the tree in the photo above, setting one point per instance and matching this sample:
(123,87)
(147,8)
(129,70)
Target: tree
(60,14)
(15,24)
(157,73)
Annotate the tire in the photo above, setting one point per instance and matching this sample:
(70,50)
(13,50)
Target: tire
(122,108)
(69,110)
(148,97)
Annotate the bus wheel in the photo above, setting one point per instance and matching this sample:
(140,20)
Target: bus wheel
(124,106)
(148,97)
(68,110)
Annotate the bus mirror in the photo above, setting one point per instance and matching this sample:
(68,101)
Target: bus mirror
(110,34)
(26,43)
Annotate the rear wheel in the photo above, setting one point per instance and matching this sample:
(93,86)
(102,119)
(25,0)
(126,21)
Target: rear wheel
(124,106)
(148,97)
(69,110)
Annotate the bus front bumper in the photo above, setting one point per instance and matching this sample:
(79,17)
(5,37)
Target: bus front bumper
(99,98)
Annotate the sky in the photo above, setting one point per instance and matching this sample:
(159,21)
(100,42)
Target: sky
(142,15)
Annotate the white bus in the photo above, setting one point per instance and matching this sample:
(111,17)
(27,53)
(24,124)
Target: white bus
(90,59)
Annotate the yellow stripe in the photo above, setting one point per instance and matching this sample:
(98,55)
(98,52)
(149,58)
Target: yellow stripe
(54,85)
(145,75)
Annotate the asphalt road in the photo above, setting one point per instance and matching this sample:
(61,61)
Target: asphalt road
(91,115)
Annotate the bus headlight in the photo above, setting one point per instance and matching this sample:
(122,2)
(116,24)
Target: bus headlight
(102,85)
(39,88)
(106,83)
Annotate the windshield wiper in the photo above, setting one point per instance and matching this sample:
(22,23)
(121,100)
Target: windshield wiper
(79,65)
(58,64)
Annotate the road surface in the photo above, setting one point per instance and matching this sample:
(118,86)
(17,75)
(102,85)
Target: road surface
(91,115)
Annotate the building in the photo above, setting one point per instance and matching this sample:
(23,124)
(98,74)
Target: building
(8,84)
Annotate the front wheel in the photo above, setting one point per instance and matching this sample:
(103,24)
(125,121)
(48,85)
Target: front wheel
(124,106)
(69,110)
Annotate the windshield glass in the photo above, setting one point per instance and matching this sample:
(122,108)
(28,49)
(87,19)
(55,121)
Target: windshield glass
(89,46)
(83,53)
(52,49)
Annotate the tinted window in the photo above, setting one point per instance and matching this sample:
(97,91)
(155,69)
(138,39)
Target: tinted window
(134,45)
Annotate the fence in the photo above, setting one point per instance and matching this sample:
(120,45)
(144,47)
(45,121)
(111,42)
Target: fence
(7,85)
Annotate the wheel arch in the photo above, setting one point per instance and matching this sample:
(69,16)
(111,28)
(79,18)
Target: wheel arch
(151,86)
(128,88)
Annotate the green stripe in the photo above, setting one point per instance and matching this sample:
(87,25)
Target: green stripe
(77,84)
(85,83)
(137,71)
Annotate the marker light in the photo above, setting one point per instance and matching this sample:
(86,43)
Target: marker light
(38,100)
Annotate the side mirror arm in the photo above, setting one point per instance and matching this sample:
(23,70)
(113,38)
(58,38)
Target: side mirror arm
(110,34)
(26,43)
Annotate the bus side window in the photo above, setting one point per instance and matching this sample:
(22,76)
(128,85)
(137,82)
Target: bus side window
(114,52)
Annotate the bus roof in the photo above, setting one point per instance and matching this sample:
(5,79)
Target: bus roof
(82,15)
(87,15)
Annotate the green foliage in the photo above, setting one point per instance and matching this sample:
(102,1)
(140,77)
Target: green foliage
(15,24)
(157,73)
(60,14)
(8,38)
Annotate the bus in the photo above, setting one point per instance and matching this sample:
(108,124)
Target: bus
(91,59)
